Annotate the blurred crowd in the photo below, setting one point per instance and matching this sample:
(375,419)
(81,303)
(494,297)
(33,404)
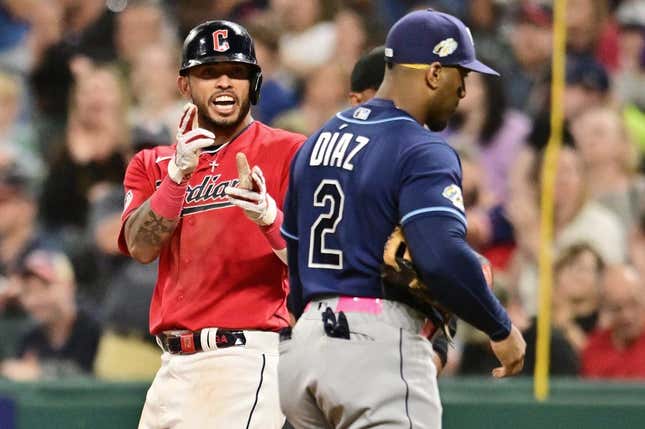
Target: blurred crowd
(84,84)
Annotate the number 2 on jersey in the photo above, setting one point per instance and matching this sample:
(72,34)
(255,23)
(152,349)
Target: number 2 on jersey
(328,195)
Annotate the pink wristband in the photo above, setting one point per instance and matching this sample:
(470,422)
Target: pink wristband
(168,199)
(272,232)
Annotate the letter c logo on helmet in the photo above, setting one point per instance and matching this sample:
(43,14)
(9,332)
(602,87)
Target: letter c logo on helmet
(220,44)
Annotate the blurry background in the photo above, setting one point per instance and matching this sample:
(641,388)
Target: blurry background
(84,84)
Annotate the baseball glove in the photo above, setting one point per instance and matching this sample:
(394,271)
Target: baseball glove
(401,282)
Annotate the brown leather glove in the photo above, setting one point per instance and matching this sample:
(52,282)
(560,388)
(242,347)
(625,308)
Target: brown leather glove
(402,283)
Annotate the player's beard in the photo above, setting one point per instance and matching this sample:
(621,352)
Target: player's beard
(226,126)
(436,125)
(440,115)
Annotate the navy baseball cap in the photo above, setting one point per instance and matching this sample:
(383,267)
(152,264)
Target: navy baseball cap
(428,36)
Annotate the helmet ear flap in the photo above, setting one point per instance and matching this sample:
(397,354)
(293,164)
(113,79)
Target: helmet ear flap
(256,84)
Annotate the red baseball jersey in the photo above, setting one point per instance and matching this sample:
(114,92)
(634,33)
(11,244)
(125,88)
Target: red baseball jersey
(217,269)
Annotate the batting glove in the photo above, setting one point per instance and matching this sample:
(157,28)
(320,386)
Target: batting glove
(190,140)
(256,203)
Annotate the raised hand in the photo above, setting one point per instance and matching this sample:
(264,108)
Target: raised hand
(251,193)
(190,140)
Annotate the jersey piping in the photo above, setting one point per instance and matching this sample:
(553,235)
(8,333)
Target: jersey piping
(416,212)
(376,121)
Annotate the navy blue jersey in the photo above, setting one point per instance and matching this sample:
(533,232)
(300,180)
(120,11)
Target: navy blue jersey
(365,171)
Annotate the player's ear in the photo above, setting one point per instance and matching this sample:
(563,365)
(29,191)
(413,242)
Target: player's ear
(433,75)
(184,86)
(355,98)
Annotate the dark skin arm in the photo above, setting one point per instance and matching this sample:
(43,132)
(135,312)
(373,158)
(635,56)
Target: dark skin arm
(146,232)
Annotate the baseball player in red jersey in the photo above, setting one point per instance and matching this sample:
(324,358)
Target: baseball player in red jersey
(220,296)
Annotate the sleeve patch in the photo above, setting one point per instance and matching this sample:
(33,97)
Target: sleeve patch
(453,194)
(128,199)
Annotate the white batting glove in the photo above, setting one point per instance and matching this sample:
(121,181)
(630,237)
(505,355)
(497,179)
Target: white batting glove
(190,141)
(256,203)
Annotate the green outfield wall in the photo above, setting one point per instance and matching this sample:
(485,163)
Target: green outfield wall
(468,403)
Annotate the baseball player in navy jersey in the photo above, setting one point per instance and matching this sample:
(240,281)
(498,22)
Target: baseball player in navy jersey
(354,358)
(365,79)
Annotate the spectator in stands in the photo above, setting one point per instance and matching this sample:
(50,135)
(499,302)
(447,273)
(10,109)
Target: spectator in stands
(63,342)
(576,294)
(126,350)
(630,77)
(485,18)
(17,214)
(16,135)
(351,37)
(305,27)
(487,128)
(156,102)
(277,94)
(618,351)
(527,81)
(27,28)
(10,100)
(141,25)
(325,93)
(477,356)
(586,21)
(489,231)
(608,155)
(93,152)
(637,244)
(587,85)
(187,14)
(89,29)
(576,219)
(19,232)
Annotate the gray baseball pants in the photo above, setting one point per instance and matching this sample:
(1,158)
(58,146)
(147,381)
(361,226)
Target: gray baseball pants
(383,376)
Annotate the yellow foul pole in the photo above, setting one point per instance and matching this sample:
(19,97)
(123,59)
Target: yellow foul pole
(549,167)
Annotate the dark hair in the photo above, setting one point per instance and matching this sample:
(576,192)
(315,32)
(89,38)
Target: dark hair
(571,253)
(496,104)
(369,70)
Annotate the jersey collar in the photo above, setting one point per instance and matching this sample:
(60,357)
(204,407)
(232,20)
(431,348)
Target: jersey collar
(214,149)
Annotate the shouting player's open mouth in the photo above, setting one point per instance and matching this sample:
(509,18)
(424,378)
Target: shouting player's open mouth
(224,104)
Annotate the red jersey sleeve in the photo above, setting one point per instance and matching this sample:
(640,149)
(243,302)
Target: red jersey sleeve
(138,188)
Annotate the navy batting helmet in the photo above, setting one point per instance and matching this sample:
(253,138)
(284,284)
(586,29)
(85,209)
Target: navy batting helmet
(218,42)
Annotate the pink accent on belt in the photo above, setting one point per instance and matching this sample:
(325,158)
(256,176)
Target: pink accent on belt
(360,305)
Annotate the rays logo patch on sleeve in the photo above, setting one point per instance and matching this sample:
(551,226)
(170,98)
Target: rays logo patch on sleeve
(453,193)
(445,47)
(362,113)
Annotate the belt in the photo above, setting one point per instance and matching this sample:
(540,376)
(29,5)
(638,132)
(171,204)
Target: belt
(354,304)
(189,342)
(389,311)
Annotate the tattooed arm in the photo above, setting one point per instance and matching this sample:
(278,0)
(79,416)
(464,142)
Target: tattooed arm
(146,232)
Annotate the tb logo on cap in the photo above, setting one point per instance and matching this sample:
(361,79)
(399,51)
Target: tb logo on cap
(220,44)
(445,47)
